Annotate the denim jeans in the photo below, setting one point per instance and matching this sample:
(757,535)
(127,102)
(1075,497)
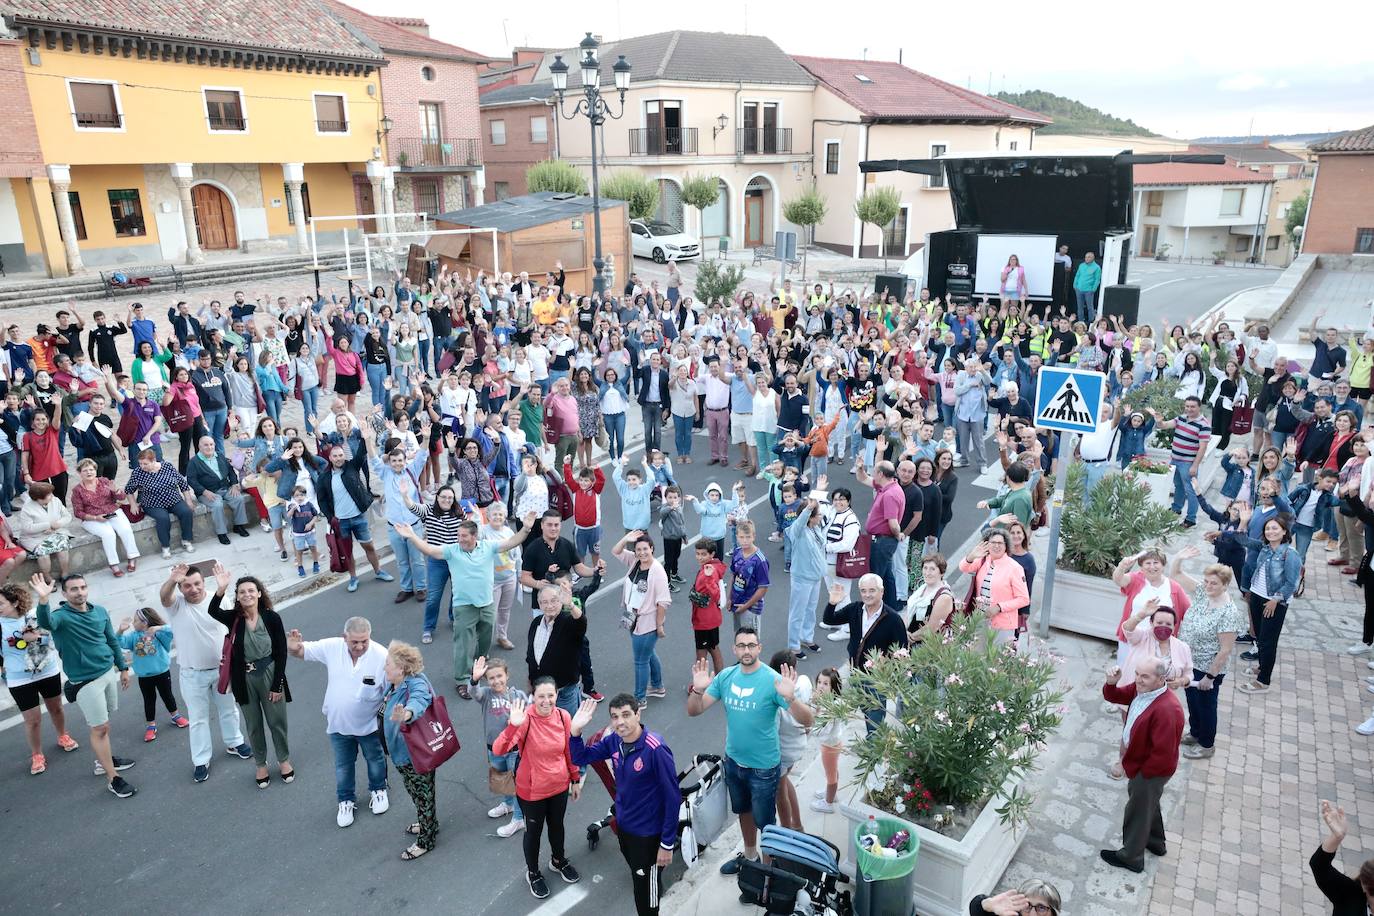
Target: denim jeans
(753,791)
(310,405)
(1086,305)
(346,749)
(1094,471)
(652,414)
(569,698)
(436,577)
(400,378)
(1266,631)
(1202,710)
(214,421)
(162,520)
(506,763)
(199,693)
(410,562)
(424,357)
(880,561)
(273,401)
(135,449)
(1277,439)
(801,612)
(648,671)
(375,375)
(1302,539)
(682,436)
(225,501)
(947,415)
(615,434)
(1183,490)
(9,468)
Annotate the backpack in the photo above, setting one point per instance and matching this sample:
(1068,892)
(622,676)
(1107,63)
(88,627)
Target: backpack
(560,497)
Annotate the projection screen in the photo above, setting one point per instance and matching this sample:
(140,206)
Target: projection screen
(1035,252)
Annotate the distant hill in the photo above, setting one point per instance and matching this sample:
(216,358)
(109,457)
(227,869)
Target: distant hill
(1304,139)
(1072,117)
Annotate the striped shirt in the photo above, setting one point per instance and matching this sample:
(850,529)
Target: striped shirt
(440,530)
(1189,437)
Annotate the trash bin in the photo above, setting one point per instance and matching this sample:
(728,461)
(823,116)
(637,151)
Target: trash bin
(885,885)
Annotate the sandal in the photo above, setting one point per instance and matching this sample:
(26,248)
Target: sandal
(413,852)
(116,572)
(1253,687)
(132,566)
(412,830)
(288,776)
(264,782)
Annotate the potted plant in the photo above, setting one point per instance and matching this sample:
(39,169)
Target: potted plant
(1219,256)
(971,717)
(402,158)
(1162,252)
(1120,518)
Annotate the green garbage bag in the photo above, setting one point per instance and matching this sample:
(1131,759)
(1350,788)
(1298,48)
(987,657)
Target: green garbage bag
(875,867)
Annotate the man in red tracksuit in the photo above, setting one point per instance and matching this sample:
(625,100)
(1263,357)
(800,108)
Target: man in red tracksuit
(1151,737)
(586,495)
(705,596)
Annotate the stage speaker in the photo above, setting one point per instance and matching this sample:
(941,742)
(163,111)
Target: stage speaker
(960,289)
(890,283)
(1122,300)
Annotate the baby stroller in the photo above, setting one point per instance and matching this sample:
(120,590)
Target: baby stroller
(803,878)
(704,811)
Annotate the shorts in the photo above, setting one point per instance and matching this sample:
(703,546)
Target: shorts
(304,541)
(276,516)
(1260,421)
(356,528)
(1359,394)
(754,791)
(27,696)
(707,639)
(100,697)
(741,428)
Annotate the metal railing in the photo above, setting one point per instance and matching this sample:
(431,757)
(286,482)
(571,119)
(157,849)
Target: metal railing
(663,141)
(431,152)
(218,122)
(99,119)
(331,127)
(762,141)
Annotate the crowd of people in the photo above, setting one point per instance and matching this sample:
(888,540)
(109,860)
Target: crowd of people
(467,415)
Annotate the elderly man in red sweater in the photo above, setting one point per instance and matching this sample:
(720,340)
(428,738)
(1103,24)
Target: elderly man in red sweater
(1154,728)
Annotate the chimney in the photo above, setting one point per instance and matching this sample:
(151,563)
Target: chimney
(409,23)
(1265,144)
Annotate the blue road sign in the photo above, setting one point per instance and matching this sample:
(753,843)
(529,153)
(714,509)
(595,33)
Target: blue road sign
(1069,400)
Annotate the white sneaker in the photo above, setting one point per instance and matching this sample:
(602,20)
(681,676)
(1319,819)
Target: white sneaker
(188,546)
(1369,680)
(511,829)
(166,553)
(1358,649)
(838,635)
(379,802)
(345,814)
(819,794)
(823,806)
(1370,665)
(500,810)
(1366,727)
(265,526)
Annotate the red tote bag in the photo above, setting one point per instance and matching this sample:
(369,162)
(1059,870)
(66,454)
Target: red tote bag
(340,548)
(430,737)
(1242,417)
(855,563)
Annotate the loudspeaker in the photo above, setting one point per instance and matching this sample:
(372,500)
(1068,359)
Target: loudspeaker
(960,289)
(890,283)
(1122,300)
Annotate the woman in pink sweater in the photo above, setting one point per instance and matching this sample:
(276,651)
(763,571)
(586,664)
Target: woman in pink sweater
(544,778)
(644,603)
(999,582)
(348,368)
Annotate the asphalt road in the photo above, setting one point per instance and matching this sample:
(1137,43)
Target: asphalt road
(1180,293)
(181,847)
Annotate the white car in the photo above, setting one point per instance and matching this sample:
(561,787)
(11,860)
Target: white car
(662,242)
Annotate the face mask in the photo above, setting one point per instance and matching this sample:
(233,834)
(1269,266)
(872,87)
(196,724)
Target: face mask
(1163,632)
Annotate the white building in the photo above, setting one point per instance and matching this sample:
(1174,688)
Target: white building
(1216,212)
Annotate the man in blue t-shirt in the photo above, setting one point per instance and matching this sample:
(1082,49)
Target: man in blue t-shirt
(752,693)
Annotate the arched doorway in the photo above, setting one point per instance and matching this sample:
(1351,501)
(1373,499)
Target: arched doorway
(758,211)
(214,218)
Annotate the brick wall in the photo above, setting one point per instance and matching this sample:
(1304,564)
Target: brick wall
(454,88)
(20,154)
(1342,201)
(508,162)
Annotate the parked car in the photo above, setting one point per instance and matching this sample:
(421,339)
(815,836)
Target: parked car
(662,242)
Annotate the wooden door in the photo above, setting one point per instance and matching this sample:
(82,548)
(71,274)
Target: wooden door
(753,221)
(214,218)
(363,191)
(1149,240)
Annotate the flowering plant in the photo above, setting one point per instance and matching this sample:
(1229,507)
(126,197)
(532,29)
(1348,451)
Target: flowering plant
(1144,464)
(971,714)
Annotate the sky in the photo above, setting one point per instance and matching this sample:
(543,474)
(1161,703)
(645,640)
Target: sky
(1182,69)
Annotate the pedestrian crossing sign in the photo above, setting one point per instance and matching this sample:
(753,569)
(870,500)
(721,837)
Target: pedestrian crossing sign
(1068,400)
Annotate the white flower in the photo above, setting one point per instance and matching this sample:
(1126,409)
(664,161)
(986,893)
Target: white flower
(900,806)
(1001,707)
(953,680)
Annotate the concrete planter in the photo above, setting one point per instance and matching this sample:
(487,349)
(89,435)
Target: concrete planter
(1090,605)
(1161,487)
(949,872)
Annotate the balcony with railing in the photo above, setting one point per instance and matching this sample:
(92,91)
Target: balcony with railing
(106,120)
(763,141)
(663,141)
(227,122)
(436,152)
(331,127)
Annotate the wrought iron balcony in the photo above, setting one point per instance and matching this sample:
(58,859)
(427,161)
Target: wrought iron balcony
(762,141)
(436,152)
(663,141)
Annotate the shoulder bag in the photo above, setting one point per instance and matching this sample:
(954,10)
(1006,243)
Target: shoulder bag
(1242,417)
(430,737)
(226,658)
(855,563)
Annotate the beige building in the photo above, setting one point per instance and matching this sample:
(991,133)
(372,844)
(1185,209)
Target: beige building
(1292,176)
(882,110)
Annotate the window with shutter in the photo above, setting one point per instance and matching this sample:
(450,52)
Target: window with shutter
(94,106)
(127,212)
(305,202)
(329,114)
(224,108)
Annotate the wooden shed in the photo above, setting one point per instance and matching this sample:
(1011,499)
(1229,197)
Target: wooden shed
(534,232)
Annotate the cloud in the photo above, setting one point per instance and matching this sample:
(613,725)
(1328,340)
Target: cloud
(1246,82)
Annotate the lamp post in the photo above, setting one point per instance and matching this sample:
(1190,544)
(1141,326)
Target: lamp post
(597,110)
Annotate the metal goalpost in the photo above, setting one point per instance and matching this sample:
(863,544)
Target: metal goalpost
(355,217)
(388,257)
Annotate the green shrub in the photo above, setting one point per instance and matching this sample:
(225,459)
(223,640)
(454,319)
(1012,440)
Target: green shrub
(557,176)
(1118,520)
(717,280)
(639,192)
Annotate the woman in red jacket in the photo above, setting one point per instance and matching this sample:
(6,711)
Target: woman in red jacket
(544,778)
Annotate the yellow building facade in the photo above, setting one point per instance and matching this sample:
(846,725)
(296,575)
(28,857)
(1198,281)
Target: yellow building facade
(161,147)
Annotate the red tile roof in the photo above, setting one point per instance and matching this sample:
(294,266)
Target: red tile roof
(1352,141)
(898,92)
(1165,173)
(390,36)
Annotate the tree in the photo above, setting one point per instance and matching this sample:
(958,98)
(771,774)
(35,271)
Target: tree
(805,210)
(717,280)
(879,207)
(700,192)
(557,176)
(1297,215)
(635,188)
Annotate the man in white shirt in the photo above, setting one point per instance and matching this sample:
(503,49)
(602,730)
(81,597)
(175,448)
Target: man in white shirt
(356,666)
(1260,351)
(329,424)
(1095,450)
(200,642)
